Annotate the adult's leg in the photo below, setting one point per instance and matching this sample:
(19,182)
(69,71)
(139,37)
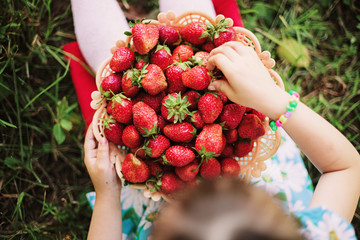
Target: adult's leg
(98,25)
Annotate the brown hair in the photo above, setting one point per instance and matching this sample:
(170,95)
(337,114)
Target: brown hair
(225,209)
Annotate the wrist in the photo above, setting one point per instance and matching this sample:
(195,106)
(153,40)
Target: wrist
(275,102)
(108,198)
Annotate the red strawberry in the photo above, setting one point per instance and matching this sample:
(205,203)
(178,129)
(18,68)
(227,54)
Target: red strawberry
(201,55)
(230,168)
(154,101)
(251,127)
(208,46)
(228,35)
(174,108)
(222,96)
(193,33)
(168,35)
(193,99)
(182,53)
(109,107)
(145,37)
(173,76)
(139,65)
(188,172)
(170,183)
(145,119)
(156,145)
(161,57)
(122,59)
(196,119)
(154,166)
(232,115)
(223,138)
(260,115)
(228,151)
(154,81)
(210,107)
(231,136)
(111,85)
(131,137)
(113,131)
(180,132)
(134,169)
(121,108)
(129,84)
(139,152)
(221,32)
(210,169)
(178,156)
(161,122)
(243,147)
(210,139)
(197,78)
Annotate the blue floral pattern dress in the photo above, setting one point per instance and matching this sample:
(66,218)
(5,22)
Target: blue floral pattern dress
(285,178)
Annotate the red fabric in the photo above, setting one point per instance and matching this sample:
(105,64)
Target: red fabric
(84,82)
(230,9)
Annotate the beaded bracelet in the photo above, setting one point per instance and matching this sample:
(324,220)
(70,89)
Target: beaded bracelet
(274,125)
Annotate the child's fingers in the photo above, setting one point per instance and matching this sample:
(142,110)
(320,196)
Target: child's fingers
(103,152)
(90,148)
(229,52)
(90,142)
(222,86)
(240,48)
(221,61)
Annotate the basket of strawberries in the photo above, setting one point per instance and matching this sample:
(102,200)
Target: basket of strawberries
(152,100)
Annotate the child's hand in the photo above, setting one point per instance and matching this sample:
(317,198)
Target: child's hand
(249,83)
(98,161)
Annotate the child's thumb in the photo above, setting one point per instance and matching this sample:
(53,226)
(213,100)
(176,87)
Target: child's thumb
(222,86)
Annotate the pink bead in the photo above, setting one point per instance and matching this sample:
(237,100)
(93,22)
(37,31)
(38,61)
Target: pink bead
(278,123)
(287,114)
(295,94)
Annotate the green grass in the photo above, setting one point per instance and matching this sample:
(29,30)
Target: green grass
(42,176)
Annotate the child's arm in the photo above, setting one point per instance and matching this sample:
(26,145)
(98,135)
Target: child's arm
(106,221)
(250,84)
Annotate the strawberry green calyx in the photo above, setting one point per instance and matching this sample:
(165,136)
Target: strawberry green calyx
(195,61)
(177,107)
(154,183)
(154,131)
(147,150)
(204,154)
(166,48)
(134,75)
(212,31)
(118,98)
(106,122)
(183,65)
(139,57)
(164,160)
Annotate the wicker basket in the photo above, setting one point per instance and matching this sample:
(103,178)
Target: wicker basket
(263,148)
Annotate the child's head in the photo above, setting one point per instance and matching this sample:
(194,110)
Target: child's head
(224,210)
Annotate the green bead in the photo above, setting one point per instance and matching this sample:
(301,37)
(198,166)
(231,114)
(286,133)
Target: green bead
(291,92)
(273,126)
(290,108)
(293,104)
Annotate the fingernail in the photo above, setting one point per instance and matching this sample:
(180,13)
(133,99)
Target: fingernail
(103,141)
(211,88)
